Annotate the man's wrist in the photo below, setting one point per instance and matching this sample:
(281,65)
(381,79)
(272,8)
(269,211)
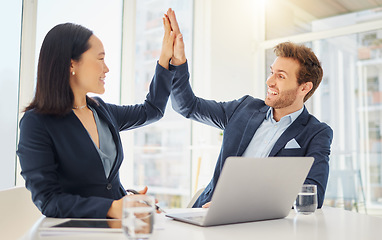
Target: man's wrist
(177,61)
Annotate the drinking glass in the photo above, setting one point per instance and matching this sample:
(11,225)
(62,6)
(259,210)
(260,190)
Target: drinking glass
(306,202)
(138,216)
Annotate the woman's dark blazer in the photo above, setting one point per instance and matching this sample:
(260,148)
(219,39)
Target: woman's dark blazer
(61,165)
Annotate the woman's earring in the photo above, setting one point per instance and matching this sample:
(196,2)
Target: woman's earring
(73,73)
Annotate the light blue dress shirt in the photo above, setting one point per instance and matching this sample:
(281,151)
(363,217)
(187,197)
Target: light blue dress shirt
(268,133)
(107,150)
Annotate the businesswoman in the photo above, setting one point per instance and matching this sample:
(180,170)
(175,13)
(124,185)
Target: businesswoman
(70,149)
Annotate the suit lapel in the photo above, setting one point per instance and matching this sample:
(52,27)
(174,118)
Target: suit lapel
(292,131)
(253,124)
(87,141)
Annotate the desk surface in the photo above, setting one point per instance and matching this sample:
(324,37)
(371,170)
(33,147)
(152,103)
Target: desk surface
(328,223)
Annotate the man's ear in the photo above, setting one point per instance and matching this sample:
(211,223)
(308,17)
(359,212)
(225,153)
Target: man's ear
(306,87)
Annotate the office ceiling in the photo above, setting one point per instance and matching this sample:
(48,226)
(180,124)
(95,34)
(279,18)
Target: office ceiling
(327,8)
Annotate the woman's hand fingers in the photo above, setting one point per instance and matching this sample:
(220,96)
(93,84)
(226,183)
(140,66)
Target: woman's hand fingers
(167,45)
(143,191)
(166,25)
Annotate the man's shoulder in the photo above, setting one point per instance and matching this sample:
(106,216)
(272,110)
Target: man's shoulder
(315,124)
(248,101)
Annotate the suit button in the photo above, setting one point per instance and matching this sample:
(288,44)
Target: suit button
(109,186)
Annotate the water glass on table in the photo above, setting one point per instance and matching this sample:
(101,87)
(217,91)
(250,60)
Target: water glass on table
(306,202)
(138,216)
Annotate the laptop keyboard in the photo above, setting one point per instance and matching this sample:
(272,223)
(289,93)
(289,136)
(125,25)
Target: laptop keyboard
(196,218)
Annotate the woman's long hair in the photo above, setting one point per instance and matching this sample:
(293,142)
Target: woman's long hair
(63,43)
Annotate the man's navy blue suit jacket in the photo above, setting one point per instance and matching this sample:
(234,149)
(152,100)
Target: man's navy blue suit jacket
(240,119)
(61,165)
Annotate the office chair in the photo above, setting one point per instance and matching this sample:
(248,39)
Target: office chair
(18,213)
(195,197)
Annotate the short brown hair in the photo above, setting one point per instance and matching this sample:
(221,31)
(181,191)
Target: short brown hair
(310,68)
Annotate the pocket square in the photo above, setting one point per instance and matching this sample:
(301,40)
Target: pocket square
(292,144)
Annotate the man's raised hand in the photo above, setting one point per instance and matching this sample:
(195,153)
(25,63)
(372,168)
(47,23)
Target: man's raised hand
(179,55)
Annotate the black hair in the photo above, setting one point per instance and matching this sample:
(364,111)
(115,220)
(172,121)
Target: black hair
(63,43)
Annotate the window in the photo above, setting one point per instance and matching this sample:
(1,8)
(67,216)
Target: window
(349,100)
(9,85)
(161,150)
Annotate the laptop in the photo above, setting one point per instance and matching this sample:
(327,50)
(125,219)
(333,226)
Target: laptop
(252,189)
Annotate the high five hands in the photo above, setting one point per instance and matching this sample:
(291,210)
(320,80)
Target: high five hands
(173,45)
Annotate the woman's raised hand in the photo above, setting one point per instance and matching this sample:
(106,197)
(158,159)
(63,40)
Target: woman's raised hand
(167,44)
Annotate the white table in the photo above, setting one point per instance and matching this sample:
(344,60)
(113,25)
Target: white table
(328,223)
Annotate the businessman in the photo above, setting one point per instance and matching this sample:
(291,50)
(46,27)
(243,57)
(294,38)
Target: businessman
(278,126)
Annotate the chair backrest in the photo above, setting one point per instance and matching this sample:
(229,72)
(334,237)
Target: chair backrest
(195,197)
(17,211)
(345,182)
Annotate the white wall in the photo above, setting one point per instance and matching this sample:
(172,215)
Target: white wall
(225,35)
(232,43)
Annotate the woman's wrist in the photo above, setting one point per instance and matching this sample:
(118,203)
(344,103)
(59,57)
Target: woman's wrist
(115,210)
(164,62)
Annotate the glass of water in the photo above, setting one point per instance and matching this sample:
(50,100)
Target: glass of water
(306,202)
(138,216)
